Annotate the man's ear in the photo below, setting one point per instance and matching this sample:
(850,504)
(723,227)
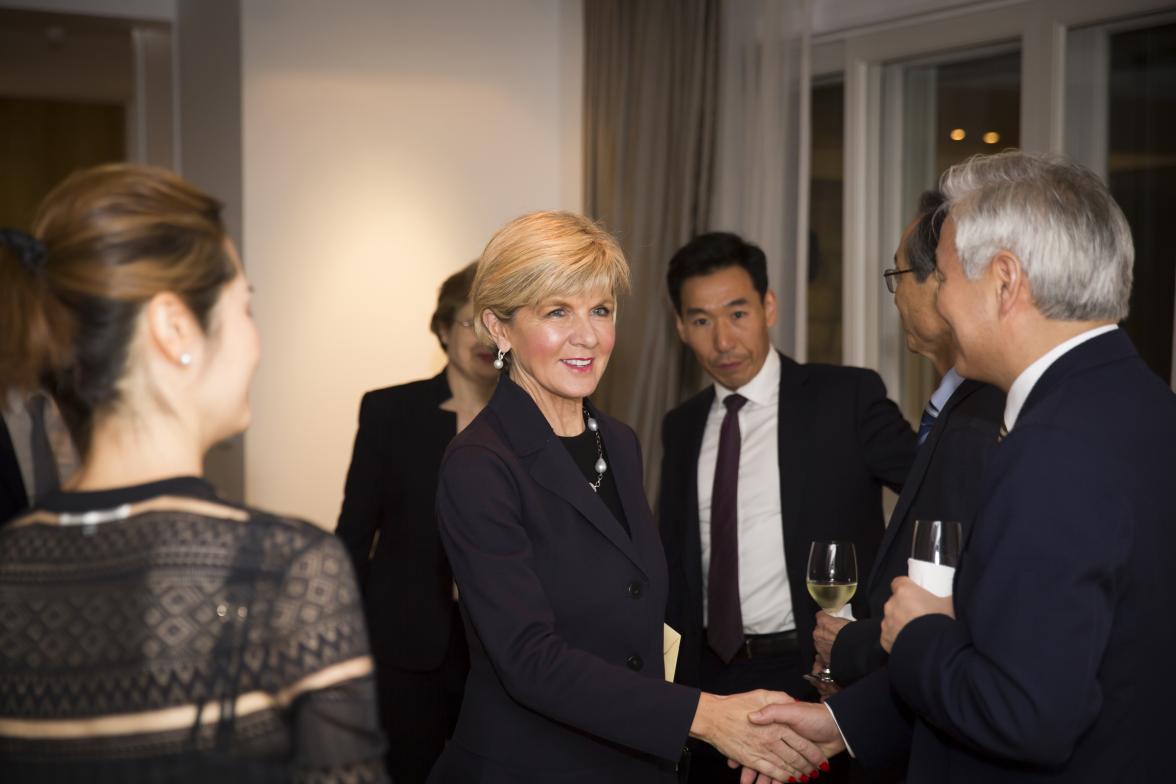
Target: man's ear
(770,308)
(1011,283)
(497,330)
(680,326)
(172,328)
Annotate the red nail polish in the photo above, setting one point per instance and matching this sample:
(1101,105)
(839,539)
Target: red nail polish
(814,774)
(792,780)
(825,766)
(803,777)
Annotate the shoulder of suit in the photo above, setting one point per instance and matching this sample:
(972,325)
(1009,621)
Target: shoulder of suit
(845,376)
(413,390)
(696,405)
(400,401)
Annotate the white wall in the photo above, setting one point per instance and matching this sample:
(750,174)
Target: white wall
(383,145)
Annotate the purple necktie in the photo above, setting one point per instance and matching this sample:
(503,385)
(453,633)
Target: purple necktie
(724,630)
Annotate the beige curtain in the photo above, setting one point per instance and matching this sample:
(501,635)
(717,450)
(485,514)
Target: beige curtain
(762,145)
(650,111)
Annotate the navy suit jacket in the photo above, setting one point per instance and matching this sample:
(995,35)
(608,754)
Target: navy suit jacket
(392,490)
(1056,666)
(563,609)
(840,441)
(944,484)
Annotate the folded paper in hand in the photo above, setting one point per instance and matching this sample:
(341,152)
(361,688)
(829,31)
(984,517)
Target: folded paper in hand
(935,578)
(671,641)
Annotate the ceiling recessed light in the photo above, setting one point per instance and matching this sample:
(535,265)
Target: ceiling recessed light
(957,134)
(992,137)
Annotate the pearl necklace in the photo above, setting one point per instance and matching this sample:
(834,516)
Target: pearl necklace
(599,466)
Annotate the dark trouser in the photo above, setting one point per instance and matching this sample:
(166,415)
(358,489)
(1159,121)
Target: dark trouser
(781,672)
(419,710)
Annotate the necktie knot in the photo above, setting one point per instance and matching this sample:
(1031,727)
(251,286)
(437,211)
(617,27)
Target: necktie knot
(927,423)
(734,402)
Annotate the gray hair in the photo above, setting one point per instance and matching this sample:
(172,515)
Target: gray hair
(1057,218)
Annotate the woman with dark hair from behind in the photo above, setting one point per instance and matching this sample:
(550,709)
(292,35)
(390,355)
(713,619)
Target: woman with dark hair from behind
(390,529)
(153,632)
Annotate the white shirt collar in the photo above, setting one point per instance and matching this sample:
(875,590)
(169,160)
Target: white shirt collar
(764,387)
(947,387)
(1019,391)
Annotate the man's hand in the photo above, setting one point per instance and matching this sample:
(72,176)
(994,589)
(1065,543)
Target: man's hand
(907,602)
(776,752)
(825,633)
(806,722)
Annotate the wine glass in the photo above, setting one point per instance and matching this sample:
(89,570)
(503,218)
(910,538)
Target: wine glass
(937,542)
(832,581)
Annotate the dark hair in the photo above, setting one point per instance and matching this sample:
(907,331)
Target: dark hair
(114,236)
(920,245)
(708,253)
(454,293)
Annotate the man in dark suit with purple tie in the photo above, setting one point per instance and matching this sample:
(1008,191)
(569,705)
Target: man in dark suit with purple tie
(770,457)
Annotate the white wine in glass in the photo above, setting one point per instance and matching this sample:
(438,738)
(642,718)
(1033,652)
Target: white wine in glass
(832,580)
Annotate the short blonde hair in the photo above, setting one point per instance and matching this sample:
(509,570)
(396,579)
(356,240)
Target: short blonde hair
(542,255)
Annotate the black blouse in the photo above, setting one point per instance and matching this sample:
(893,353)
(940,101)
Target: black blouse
(583,451)
(156,633)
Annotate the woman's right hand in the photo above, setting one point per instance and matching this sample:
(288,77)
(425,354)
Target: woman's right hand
(773,750)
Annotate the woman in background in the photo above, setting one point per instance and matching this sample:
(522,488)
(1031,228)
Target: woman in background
(390,529)
(562,575)
(152,632)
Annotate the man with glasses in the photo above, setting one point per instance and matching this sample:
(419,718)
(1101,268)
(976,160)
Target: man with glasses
(957,435)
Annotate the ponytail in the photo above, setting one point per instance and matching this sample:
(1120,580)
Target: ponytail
(34,325)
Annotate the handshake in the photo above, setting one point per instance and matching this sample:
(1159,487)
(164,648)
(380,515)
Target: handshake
(774,737)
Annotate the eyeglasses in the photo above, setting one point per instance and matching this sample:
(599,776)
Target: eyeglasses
(890,276)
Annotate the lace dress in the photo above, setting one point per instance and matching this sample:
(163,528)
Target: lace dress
(156,633)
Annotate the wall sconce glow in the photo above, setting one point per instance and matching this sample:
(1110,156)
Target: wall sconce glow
(992,137)
(957,134)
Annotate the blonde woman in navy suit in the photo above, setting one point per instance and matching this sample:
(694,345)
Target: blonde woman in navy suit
(554,549)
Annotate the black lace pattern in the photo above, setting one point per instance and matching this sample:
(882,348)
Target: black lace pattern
(146,631)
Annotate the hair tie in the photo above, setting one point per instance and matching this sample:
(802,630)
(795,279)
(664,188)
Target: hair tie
(29,249)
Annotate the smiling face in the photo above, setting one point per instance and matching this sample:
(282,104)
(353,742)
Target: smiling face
(559,348)
(725,321)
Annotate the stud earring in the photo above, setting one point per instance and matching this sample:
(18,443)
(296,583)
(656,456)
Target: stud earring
(185,359)
(498,363)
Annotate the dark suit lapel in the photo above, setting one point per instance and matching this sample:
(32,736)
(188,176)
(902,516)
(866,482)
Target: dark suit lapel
(553,468)
(549,463)
(914,480)
(695,424)
(792,444)
(624,463)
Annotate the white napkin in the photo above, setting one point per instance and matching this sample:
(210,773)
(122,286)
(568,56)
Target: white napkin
(936,578)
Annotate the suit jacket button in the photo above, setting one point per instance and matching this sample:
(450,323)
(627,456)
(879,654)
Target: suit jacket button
(635,590)
(635,663)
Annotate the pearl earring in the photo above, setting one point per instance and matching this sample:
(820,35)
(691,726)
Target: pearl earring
(498,363)
(185,359)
